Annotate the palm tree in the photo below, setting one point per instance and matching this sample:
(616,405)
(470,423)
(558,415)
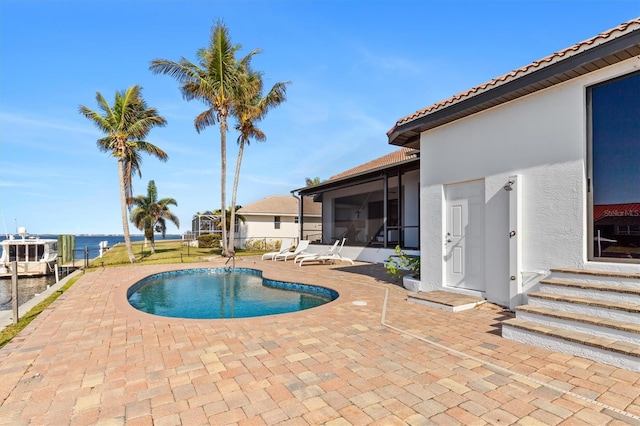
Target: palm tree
(151,214)
(228,221)
(315,181)
(126,124)
(214,81)
(250,107)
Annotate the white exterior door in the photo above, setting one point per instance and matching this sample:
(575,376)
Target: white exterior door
(464,236)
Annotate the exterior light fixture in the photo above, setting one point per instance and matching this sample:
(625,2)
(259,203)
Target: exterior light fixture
(508,186)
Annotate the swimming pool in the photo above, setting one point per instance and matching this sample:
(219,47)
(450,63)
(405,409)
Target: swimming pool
(208,293)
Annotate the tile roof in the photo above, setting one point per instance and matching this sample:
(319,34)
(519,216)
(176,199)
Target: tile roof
(561,55)
(285,205)
(394,157)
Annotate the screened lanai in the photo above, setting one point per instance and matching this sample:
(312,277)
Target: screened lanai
(374,205)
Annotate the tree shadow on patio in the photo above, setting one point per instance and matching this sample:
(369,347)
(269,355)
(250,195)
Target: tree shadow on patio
(373,270)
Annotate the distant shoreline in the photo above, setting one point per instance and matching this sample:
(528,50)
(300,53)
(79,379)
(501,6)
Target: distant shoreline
(49,235)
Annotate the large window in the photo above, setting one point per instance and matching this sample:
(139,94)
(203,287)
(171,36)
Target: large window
(615,168)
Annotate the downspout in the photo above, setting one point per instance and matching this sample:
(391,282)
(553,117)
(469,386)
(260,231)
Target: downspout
(300,216)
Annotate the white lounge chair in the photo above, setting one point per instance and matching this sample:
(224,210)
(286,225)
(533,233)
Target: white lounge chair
(333,249)
(285,246)
(328,257)
(300,248)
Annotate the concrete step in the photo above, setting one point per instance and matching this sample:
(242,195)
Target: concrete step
(612,293)
(612,329)
(445,300)
(609,351)
(619,311)
(608,278)
(588,313)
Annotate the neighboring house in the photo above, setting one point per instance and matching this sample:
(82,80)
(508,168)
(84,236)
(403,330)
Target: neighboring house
(276,217)
(533,171)
(375,206)
(204,223)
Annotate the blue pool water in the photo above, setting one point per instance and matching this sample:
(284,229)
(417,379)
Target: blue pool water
(221,293)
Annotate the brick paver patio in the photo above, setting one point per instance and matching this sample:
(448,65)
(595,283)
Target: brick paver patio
(92,359)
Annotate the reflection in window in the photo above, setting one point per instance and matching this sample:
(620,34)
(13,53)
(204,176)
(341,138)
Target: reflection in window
(615,150)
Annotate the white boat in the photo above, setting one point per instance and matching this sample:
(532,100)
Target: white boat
(33,255)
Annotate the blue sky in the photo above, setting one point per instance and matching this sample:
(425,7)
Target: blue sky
(355,66)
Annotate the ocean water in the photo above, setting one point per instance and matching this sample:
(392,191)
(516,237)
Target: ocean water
(28,287)
(91,243)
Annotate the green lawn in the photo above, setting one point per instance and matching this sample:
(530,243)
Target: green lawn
(167,251)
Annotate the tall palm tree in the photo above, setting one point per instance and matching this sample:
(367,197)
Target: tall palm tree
(150,214)
(126,124)
(249,108)
(214,80)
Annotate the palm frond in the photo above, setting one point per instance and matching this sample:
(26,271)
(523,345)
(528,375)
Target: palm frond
(152,149)
(205,119)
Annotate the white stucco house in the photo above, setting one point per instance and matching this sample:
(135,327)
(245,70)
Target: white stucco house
(273,218)
(536,173)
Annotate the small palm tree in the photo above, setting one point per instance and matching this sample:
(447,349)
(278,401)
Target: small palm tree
(150,214)
(228,216)
(214,81)
(126,124)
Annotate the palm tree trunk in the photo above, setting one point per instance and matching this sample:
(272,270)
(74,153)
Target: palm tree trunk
(223,181)
(236,178)
(125,219)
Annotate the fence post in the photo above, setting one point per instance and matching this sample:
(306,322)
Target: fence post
(14,291)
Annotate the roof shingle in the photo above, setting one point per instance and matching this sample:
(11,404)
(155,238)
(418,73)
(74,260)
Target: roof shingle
(394,157)
(284,205)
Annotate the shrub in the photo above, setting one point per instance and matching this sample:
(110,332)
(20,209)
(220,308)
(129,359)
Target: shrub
(255,245)
(401,264)
(209,241)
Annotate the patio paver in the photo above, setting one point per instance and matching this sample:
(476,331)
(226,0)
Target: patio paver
(90,358)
